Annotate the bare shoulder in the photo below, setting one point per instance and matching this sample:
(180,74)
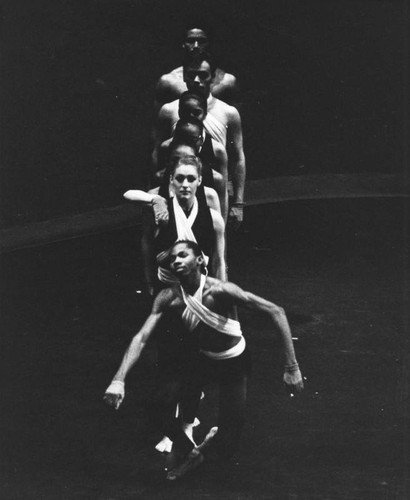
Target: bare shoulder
(166,80)
(168,109)
(223,288)
(226,109)
(154,190)
(164,146)
(165,299)
(229,80)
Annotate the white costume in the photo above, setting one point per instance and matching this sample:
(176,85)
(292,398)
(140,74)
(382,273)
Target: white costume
(195,312)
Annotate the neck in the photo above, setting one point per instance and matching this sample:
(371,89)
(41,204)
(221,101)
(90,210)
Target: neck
(191,282)
(186,205)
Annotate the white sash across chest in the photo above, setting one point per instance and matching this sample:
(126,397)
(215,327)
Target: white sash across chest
(184,232)
(195,312)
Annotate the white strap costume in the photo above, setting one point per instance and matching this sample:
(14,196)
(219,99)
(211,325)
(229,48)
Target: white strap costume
(195,312)
(216,129)
(184,232)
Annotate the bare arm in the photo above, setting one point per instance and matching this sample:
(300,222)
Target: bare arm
(158,204)
(236,155)
(165,91)
(147,249)
(138,195)
(237,166)
(115,393)
(162,131)
(221,158)
(292,376)
(212,199)
(218,264)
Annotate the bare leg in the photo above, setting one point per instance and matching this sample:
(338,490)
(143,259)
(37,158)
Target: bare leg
(220,443)
(194,458)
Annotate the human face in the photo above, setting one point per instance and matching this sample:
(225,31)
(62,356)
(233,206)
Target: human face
(183,260)
(185,181)
(198,78)
(195,42)
(191,108)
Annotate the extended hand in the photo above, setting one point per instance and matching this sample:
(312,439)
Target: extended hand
(293,381)
(115,394)
(160,209)
(235,216)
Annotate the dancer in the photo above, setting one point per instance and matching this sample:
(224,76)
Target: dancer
(222,122)
(212,155)
(205,305)
(189,217)
(171,85)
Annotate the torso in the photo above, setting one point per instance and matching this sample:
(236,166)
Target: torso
(207,338)
(202,228)
(218,110)
(221,87)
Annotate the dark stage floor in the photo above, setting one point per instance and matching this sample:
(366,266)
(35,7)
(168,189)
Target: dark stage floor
(337,267)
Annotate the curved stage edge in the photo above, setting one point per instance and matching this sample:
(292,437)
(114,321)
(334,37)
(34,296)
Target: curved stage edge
(258,192)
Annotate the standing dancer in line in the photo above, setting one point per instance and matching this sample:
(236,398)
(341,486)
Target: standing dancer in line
(212,155)
(189,217)
(171,85)
(222,122)
(220,354)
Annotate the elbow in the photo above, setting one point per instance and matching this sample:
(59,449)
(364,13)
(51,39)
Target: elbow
(277,312)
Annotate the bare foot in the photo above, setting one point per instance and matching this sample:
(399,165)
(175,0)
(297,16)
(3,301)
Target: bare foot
(211,434)
(193,460)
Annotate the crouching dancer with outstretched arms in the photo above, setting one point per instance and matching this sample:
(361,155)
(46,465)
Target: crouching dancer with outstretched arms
(219,352)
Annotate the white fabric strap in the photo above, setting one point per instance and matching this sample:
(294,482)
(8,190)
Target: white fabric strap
(189,318)
(184,232)
(233,352)
(215,129)
(184,223)
(219,323)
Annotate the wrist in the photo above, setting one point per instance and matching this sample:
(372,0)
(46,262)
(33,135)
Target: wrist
(291,367)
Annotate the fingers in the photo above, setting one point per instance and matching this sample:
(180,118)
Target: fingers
(235,217)
(113,400)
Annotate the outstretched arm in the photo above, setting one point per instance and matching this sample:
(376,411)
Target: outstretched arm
(115,393)
(292,376)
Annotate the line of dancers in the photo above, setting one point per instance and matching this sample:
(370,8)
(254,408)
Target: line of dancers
(197,155)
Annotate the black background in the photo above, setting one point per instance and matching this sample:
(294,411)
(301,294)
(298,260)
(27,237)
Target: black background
(322,90)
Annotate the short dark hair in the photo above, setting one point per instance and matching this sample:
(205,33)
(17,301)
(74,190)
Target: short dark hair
(181,135)
(189,94)
(207,28)
(176,143)
(187,160)
(193,245)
